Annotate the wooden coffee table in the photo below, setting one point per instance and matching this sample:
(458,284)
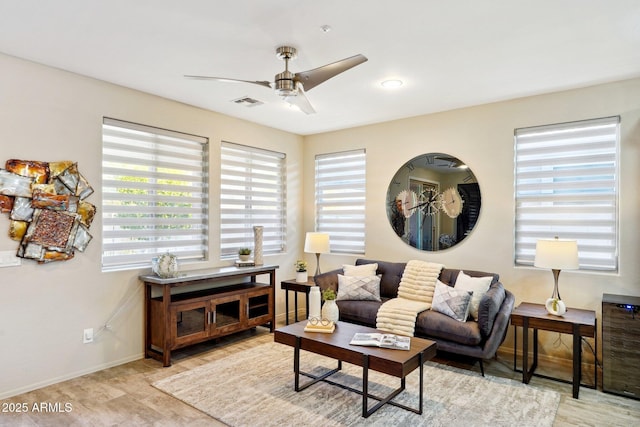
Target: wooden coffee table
(398,363)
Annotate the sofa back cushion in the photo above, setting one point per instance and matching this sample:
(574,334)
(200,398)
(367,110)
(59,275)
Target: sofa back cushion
(391,273)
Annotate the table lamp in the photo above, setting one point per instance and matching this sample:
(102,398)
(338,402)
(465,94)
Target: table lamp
(556,254)
(317,243)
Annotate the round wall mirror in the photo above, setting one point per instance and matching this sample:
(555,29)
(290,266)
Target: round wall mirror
(433,202)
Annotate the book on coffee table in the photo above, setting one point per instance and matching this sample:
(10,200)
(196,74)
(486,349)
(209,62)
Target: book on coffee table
(325,329)
(396,342)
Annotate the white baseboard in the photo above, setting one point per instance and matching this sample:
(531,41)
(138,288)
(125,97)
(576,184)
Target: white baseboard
(10,393)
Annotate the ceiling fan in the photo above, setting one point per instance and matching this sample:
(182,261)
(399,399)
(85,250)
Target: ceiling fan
(291,87)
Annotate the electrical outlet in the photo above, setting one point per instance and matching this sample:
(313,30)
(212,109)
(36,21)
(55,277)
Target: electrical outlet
(88,336)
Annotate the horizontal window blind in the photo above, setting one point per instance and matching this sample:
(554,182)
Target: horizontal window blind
(566,185)
(340,199)
(154,194)
(252,192)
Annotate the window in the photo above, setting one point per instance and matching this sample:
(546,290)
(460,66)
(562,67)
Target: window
(566,179)
(252,192)
(340,199)
(154,195)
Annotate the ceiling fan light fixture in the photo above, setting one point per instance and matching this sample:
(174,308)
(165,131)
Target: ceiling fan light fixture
(391,84)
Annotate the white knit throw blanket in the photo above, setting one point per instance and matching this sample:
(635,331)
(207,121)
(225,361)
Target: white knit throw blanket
(415,293)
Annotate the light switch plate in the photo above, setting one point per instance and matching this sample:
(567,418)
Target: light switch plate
(9,259)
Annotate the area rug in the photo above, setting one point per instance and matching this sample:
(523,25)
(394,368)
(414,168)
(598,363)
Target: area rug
(255,388)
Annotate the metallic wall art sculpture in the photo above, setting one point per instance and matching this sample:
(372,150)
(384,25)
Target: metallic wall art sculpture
(47,210)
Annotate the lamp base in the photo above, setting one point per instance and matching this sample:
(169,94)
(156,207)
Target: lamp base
(555,306)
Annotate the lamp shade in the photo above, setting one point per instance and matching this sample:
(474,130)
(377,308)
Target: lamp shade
(316,243)
(557,254)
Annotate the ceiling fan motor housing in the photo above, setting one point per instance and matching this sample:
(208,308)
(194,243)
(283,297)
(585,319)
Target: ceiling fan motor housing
(284,84)
(284,81)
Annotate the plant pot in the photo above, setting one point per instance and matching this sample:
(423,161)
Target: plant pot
(244,257)
(301,277)
(330,310)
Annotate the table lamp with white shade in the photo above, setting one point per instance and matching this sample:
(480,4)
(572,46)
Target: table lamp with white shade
(317,243)
(556,254)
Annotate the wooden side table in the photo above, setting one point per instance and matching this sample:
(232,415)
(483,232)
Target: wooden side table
(579,323)
(296,287)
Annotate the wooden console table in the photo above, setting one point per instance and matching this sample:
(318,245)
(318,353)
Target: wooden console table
(579,323)
(210,304)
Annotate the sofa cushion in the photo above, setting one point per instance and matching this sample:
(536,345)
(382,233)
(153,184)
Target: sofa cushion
(391,274)
(489,307)
(432,324)
(478,285)
(451,301)
(361,312)
(358,288)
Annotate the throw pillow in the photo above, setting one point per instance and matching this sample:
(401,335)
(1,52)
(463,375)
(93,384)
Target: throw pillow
(366,288)
(451,301)
(360,270)
(478,285)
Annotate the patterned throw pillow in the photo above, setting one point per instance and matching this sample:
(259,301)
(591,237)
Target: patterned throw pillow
(365,288)
(451,301)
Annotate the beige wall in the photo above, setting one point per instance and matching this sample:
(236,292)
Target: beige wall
(49,115)
(482,137)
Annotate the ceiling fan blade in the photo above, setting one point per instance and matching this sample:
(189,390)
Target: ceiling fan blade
(224,79)
(300,100)
(313,78)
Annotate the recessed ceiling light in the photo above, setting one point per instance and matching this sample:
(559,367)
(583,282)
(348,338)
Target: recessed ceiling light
(391,84)
(325,28)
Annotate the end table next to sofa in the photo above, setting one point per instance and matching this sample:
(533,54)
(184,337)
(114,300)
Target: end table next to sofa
(292,285)
(577,322)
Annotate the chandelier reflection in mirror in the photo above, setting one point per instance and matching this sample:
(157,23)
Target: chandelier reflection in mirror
(433,201)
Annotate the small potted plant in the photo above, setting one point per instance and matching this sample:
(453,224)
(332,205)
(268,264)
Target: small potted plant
(330,309)
(301,271)
(244,254)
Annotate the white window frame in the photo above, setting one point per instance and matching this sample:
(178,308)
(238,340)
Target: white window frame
(566,185)
(340,199)
(154,195)
(252,193)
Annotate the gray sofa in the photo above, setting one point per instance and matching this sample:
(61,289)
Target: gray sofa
(479,340)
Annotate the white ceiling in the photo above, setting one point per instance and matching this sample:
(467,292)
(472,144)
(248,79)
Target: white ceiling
(450,54)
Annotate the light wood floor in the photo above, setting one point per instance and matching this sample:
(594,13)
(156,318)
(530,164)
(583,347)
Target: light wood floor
(123,395)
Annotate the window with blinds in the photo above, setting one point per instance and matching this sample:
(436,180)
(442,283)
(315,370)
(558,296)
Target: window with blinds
(154,195)
(340,199)
(566,185)
(252,192)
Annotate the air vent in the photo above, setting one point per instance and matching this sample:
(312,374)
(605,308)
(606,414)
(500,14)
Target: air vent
(247,102)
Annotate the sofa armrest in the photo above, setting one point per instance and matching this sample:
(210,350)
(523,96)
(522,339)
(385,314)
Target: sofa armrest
(328,280)
(489,306)
(500,326)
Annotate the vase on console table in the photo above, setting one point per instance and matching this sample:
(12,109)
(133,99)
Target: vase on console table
(258,231)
